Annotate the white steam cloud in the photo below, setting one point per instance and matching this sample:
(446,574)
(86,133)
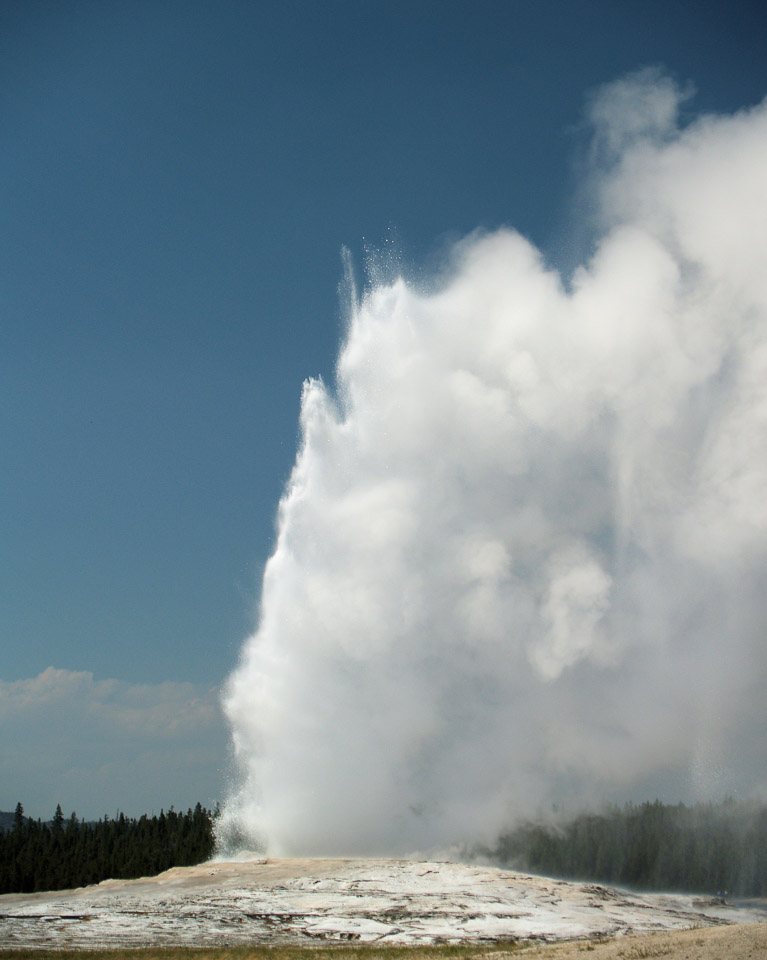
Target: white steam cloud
(522,554)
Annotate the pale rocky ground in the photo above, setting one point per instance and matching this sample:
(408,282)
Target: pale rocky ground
(310,901)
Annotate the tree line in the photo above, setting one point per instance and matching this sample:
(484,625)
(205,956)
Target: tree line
(73,853)
(705,848)
(719,849)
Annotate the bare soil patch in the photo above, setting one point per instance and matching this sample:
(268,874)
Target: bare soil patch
(741,942)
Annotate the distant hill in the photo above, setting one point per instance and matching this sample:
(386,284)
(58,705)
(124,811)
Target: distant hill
(6,821)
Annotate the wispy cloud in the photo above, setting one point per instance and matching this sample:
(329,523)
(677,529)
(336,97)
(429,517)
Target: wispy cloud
(96,746)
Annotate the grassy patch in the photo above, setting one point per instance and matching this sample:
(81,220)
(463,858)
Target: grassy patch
(363,951)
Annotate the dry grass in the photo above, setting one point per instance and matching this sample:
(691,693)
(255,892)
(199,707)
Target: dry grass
(359,951)
(737,942)
(364,951)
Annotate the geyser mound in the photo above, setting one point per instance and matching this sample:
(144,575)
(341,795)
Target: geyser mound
(521,556)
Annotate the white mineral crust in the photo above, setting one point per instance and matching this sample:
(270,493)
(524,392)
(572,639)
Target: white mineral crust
(305,901)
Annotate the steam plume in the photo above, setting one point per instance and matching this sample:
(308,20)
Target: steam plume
(521,556)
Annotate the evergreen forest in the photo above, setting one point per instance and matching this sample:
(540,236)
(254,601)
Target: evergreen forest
(72,853)
(715,849)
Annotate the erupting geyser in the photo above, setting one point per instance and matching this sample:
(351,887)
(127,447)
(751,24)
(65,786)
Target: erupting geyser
(522,554)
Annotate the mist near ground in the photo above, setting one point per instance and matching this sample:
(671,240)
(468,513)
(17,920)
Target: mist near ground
(521,555)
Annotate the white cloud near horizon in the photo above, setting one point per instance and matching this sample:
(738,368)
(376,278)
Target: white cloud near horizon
(101,745)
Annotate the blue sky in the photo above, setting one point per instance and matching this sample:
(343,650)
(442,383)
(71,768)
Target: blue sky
(177,181)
